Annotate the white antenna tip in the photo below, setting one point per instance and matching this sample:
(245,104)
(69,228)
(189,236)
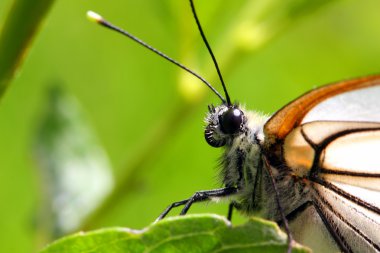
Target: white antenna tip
(93,16)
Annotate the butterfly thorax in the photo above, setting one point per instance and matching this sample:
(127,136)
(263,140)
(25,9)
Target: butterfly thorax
(243,165)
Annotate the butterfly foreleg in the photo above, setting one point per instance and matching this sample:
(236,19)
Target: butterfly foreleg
(198,197)
(233,205)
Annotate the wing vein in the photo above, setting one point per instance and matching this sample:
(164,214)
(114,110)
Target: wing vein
(332,228)
(345,194)
(349,173)
(337,214)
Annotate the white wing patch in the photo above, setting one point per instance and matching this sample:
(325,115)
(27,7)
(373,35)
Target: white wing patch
(308,229)
(370,183)
(357,152)
(342,159)
(358,105)
(359,226)
(352,146)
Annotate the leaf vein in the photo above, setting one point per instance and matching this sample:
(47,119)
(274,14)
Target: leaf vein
(175,238)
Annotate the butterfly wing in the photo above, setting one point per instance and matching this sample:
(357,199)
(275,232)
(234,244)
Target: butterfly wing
(312,105)
(330,137)
(344,178)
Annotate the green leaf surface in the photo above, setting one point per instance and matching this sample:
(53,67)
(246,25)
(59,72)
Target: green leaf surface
(192,233)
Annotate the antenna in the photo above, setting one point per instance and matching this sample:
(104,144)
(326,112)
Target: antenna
(92,16)
(210,51)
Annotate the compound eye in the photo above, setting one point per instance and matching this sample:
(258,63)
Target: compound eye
(231,120)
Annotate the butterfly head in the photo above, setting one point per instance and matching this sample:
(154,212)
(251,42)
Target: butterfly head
(223,124)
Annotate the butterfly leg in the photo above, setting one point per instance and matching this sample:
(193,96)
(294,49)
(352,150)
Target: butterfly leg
(208,195)
(279,205)
(198,197)
(230,211)
(233,205)
(170,207)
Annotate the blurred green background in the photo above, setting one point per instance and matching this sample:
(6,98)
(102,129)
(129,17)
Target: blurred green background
(127,93)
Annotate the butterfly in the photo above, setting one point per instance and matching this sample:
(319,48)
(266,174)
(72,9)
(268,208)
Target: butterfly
(313,166)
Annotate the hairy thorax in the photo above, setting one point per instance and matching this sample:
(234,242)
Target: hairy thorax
(243,166)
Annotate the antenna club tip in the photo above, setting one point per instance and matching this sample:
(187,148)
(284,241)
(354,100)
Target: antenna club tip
(94,17)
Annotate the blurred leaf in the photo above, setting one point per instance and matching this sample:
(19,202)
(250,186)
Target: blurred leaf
(75,169)
(192,233)
(21,25)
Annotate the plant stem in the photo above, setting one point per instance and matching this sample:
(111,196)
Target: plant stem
(17,33)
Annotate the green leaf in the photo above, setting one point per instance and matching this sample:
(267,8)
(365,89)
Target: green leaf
(20,26)
(192,233)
